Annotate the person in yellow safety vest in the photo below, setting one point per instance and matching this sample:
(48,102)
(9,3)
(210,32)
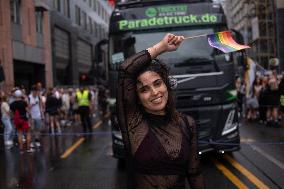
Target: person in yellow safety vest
(282,100)
(83,97)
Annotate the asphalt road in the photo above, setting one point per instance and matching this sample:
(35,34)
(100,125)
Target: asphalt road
(73,161)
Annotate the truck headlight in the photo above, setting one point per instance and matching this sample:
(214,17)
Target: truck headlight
(117,134)
(229,125)
(231,95)
(118,142)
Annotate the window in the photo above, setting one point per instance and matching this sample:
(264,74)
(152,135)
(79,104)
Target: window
(90,25)
(78,15)
(200,51)
(106,16)
(95,28)
(84,20)
(103,14)
(105,33)
(67,8)
(99,31)
(56,4)
(15,11)
(39,21)
(99,8)
(95,5)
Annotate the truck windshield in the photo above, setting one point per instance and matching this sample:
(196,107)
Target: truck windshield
(192,51)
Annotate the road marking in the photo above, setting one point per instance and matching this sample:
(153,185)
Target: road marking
(78,143)
(72,148)
(107,115)
(237,182)
(263,153)
(246,172)
(247,140)
(97,124)
(269,157)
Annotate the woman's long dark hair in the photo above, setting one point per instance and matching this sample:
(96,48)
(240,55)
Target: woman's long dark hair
(163,71)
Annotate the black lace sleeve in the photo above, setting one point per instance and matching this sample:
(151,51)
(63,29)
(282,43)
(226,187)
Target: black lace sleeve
(126,100)
(194,175)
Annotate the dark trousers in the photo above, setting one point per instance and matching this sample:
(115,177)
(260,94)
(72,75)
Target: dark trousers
(84,112)
(262,112)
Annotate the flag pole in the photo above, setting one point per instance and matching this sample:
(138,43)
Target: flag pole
(192,37)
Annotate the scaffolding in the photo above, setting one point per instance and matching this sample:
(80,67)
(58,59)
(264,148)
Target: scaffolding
(264,45)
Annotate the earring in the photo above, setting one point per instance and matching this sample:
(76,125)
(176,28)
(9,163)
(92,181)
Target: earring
(173,82)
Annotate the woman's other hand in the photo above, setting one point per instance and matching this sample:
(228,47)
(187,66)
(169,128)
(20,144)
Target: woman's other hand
(169,43)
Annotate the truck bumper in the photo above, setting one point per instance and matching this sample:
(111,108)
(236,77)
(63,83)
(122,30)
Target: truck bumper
(228,143)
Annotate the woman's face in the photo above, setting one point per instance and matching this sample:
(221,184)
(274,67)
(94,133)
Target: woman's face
(152,92)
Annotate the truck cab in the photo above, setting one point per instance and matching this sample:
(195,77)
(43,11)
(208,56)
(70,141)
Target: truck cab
(204,76)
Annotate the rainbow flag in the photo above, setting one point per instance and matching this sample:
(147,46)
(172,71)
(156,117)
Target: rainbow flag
(224,42)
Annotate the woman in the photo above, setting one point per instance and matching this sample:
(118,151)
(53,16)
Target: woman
(253,100)
(273,97)
(161,143)
(6,120)
(52,106)
(263,100)
(20,109)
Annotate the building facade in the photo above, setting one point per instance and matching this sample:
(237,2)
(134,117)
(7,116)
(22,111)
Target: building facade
(280,32)
(24,44)
(76,27)
(258,21)
(50,41)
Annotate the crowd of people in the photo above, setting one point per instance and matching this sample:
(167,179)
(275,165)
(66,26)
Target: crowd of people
(264,100)
(25,117)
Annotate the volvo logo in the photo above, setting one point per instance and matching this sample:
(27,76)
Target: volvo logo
(207,98)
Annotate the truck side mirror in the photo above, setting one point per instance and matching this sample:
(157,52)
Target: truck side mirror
(98,68)
(98,51)
(129,41)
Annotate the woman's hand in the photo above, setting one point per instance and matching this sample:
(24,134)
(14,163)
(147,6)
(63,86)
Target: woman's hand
(169,43)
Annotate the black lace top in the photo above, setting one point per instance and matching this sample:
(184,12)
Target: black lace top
(162,154)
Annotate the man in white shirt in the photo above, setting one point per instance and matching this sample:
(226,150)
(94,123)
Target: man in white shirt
(65,98)
(36,115)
